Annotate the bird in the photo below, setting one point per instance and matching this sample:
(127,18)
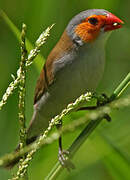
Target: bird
(74,66)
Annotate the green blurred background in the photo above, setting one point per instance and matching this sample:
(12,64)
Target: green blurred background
(106,155)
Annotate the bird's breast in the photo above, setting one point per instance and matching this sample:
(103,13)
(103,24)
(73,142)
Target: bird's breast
(80,70)
(75,73)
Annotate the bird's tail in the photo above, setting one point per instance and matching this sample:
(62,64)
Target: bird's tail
(37,125)
(12,163)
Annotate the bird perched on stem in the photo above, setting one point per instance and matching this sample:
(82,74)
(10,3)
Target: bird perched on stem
(73,67)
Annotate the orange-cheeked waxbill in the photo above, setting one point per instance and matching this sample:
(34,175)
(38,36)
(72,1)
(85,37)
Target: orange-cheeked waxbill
(74,66)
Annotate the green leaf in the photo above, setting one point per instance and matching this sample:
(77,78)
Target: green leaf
(39,59)
(116,162)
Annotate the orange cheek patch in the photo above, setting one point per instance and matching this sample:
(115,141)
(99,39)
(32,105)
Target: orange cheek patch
(88,32)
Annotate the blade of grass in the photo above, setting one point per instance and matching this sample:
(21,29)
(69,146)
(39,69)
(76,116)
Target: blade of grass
(117,167)
(117,162)
(122,86)
(39,59)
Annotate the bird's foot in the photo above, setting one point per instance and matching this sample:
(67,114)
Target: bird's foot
(102,99)
(107,117)
(64,160)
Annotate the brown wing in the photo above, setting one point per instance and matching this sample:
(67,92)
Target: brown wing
(46,78)
(40,87)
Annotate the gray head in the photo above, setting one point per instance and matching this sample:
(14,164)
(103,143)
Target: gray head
(88,25)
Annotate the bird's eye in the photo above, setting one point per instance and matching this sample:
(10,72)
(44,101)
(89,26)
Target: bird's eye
(93,21)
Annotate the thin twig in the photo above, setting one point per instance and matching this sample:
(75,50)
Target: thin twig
(40,41)
(22,89)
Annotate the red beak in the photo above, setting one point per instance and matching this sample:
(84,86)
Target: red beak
(112,22)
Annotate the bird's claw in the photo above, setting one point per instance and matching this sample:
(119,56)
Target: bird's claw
(102,99)
(64,160)
(107,117)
